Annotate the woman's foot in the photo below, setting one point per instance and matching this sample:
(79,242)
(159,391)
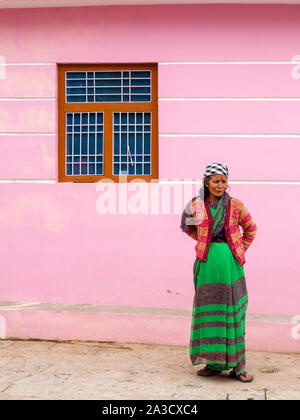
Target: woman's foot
(206,371)
(243,376)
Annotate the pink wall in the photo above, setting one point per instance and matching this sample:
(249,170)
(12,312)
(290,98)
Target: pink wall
(54,252)
(55,246)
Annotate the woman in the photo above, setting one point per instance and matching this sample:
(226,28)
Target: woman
(220,302)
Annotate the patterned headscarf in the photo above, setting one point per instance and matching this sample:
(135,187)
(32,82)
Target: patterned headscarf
(217,168)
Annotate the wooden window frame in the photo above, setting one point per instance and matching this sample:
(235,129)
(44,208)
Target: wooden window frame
(107,109)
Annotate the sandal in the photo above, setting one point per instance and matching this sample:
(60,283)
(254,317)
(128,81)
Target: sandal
(206,371)
(239,377)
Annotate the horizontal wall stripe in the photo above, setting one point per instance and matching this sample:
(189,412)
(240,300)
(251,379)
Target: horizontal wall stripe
(26,157)
(7,63)
(277,81)
(207,33)
(193,181)
(229,117)
(229,99)
(27,99)
(28,181)
(27,134)
(188,135)
(65,307)
(166,63)
(221,62)
(26,82)
(163,182)
(231,135)
(223,81)
(28,116)
(255,168)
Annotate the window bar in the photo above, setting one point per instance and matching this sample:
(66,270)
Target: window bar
(73,142)
(150,85)
(88,144)
(113,143)
(103,167)
(93,79)
(129,86)
(122,86)
(94,88)
(150,135)
(66,141)
(143,143)
(86,87)
(120,141)
(80,142)
(135,143)
(96,145)
(127,141)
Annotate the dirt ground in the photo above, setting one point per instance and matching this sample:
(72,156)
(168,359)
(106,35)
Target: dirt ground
(36,370)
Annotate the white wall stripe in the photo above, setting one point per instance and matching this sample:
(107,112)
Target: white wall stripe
(231,135)
(231,182)
(161,181)
(28,64)
(27,134)
(27,99)
(220,135)
(171,63)
(30,181)
(162,99)
(211,98)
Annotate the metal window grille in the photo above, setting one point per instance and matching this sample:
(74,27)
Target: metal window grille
(84,143)
(132,143)
(108,86)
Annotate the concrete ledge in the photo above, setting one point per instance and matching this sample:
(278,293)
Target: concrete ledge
(264,332)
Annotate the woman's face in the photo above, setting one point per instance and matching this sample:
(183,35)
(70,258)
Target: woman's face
(217,185)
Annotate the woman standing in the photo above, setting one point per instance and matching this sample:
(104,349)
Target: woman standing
(221,298)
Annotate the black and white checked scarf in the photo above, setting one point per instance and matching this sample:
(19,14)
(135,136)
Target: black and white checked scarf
(217,168)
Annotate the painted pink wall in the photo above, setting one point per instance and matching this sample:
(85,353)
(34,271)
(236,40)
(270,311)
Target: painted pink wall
(150,33)
(55,246)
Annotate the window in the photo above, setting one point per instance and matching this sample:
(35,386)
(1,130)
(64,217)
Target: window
(107,122)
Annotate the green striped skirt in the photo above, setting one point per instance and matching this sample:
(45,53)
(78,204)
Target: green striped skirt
(219,310)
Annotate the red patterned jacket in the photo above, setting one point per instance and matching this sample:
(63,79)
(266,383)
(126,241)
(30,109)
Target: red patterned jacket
(197,222)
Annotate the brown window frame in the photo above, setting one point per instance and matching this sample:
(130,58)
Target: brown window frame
(107,109)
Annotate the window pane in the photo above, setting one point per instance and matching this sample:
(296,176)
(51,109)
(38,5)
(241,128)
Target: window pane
(134,146)
(139,98)
(108,86)
(140,74)
(91,169)
(75,75)
(83,140)
(147,143)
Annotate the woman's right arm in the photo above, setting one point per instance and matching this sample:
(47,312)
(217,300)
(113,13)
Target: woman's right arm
(188,225)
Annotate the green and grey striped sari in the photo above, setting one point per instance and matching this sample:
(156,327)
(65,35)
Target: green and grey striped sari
(219,309)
